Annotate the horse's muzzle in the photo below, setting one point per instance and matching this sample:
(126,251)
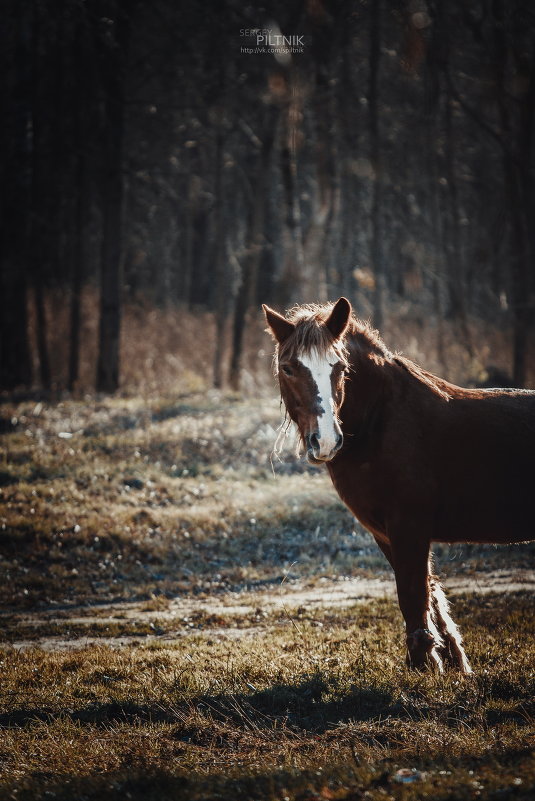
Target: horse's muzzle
(316,454)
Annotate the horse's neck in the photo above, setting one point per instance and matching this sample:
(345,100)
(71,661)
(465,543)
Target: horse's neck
(367,392)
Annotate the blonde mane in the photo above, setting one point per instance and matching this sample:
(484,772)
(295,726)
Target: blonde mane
(311,334)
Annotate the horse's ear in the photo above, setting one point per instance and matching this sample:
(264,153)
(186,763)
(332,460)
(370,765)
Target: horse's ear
(338,319)
(280,327)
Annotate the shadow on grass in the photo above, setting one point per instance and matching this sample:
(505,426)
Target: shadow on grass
(150,784)
(308,706)
(166,785)
(311,706)
(353,782)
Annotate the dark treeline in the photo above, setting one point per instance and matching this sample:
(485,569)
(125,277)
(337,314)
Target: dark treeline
(150,151)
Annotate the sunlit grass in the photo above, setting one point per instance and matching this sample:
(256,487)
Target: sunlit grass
(120,501)
(305,695)
(126,498)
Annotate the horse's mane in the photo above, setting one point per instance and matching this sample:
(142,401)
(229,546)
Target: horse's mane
(310,332)
(363,330)
(439,386)
(312,335)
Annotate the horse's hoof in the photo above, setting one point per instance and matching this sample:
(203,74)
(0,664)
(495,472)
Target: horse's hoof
(425,661)
(421,651)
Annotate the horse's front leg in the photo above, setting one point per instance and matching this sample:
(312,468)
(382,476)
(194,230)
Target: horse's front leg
(410,560)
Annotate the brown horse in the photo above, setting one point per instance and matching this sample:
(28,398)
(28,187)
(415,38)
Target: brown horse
(416,459)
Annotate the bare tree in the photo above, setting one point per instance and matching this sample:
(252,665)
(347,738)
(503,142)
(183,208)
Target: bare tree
(113,52)
(376,245)
(251,261)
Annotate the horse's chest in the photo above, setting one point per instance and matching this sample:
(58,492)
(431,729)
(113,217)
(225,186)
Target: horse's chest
(360,489)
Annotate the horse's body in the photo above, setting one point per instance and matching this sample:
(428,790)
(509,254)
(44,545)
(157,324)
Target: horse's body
(415,458)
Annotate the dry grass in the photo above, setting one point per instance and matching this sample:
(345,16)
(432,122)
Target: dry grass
(163,349)
(176,498)
(159,499)
(167,350)
(126,499)
(317,705)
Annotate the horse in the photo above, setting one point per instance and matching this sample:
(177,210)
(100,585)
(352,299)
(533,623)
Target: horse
(415,458)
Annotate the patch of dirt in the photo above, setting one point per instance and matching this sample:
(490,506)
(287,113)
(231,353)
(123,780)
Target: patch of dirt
(75,644)
(235,606)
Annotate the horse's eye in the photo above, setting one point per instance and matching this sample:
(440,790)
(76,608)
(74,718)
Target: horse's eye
(286,369)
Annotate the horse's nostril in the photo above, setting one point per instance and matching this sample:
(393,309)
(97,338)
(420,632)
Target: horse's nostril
(339,441)
(314,441)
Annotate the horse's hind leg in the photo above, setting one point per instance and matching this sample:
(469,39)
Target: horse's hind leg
(452,651)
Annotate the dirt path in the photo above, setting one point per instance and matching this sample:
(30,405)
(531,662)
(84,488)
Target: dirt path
(233,607)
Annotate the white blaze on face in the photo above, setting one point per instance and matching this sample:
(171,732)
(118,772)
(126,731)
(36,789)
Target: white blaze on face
(321,367)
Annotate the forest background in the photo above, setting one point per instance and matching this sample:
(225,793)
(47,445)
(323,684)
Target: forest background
(166,167)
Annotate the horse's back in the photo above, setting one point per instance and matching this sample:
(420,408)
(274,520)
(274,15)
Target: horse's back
(485,466)
(500,415)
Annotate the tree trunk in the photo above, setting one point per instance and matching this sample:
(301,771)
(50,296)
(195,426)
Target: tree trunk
(376,246)
(39,238)
(77,268)
(294,266)
(220,271)
(525,210)
(251,262)
(520,276)
(15,360)
(516,161)
(41,332)
(113,77)
(77,278)
(110,291)
(457,288)
(432,172)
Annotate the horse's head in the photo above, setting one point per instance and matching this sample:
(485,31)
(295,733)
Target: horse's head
(311,363)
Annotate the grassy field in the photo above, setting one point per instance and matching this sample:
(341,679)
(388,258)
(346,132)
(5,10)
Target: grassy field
(156,643)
